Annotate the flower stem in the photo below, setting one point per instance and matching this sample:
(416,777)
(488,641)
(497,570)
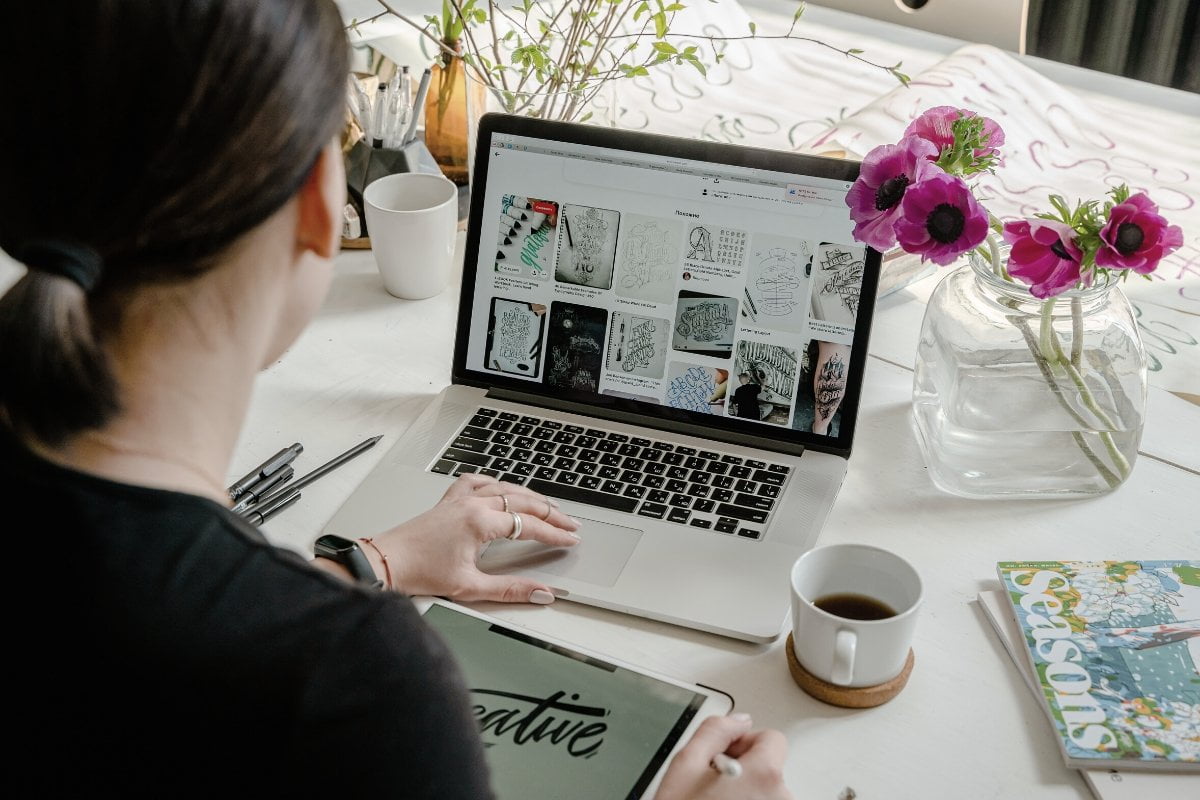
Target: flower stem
(1046,342)
(1053,354)
(994,257)
(1034,347)
(1076,331)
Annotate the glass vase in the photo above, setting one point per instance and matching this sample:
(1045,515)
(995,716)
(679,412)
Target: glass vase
(447,117)
(1019,397)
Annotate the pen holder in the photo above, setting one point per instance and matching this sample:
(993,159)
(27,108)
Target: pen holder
(365,164)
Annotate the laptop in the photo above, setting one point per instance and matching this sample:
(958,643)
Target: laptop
(666,335)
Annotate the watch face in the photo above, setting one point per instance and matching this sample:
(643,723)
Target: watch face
(333,545)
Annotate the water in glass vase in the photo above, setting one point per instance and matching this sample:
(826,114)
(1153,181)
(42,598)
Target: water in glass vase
(1017,397)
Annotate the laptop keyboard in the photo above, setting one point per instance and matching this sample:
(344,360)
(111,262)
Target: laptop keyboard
(703,489)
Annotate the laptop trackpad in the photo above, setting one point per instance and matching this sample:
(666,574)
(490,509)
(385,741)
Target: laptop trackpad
(597,559)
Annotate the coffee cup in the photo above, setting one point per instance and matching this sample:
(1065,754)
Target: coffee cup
(412,220)
(854,611)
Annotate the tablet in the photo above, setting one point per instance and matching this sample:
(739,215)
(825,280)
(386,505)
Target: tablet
(559,720)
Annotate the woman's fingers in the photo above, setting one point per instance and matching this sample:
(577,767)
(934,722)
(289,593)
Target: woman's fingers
(532,505)
(559,532)
(715,735)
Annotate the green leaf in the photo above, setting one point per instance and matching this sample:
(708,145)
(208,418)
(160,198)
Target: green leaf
(753,29)
(644,8)
(660,25)
(799,13)
(666,48)
(854,51)
(675,7)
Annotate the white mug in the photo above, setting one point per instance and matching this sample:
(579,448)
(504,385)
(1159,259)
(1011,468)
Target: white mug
(412,219)
(845,651)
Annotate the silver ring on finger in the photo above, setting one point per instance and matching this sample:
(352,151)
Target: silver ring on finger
(517,525)
(504,499)
(549,510)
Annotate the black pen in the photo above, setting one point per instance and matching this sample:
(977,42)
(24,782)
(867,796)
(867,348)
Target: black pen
(263,488)
(284,456)
(271,506)
(328,466)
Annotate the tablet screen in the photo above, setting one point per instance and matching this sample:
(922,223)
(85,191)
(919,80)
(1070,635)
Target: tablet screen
(558,723)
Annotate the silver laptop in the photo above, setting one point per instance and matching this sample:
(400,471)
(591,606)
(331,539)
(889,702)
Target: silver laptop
(669,337)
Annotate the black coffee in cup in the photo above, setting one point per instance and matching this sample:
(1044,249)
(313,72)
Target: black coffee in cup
(849,605)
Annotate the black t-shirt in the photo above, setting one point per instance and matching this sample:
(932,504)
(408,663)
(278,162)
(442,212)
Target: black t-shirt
(162,647)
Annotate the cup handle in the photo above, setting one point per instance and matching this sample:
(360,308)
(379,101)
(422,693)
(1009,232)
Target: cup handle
(843,657)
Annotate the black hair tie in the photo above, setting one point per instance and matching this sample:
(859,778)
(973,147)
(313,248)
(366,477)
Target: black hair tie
(75,262)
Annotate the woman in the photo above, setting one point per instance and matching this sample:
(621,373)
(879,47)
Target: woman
(174,188)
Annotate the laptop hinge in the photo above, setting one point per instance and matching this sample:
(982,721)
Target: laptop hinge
(667,425)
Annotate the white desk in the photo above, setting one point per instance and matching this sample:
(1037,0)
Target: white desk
(965,726)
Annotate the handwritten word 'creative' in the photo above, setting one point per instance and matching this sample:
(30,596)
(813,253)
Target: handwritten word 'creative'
(527,719)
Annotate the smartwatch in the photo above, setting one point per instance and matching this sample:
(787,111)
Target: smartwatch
(347,553)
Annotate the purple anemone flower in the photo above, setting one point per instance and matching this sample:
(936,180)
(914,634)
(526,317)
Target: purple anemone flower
(1136,236)
(886,173)
(940,219)
(936,126)
(1044,255)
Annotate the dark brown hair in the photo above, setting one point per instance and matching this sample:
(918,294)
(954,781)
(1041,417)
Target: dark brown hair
(156,133)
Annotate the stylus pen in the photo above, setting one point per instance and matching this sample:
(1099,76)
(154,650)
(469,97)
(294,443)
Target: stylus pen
(328,466)
(263,488)
(727,765)
(284,456)
(270,507)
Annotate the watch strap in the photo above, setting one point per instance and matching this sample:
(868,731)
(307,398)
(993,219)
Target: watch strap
(347,553)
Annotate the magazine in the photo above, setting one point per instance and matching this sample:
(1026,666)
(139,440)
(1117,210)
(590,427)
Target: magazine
(1114,648)
(1105,783)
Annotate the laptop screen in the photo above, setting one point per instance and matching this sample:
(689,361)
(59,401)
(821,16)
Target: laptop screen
(695,286)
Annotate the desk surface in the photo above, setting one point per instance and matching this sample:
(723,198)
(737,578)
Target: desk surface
(965,726)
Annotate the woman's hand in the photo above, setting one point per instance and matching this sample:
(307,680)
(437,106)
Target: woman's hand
(761,754)
(435,553)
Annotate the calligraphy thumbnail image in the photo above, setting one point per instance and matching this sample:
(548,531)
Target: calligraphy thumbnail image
(823,375)
(763,384)
(649,258)
(637,345)
(696,388)
(587,249)
(776,294)
(514,337)
(837,274)
(704,324)
(714,244)
(525,248)
(575,346)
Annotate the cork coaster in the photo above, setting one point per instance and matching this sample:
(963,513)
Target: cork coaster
(844,696)
(361,243)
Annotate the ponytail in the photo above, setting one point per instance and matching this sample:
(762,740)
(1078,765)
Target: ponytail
(55,378)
